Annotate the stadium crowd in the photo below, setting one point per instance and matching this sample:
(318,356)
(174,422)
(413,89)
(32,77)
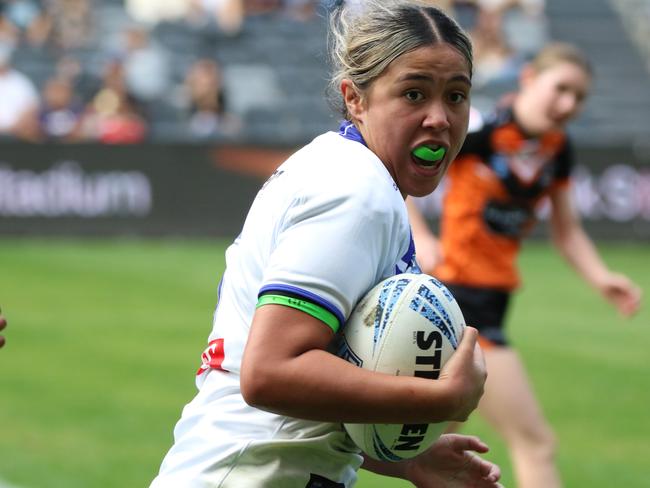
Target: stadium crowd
(83,70)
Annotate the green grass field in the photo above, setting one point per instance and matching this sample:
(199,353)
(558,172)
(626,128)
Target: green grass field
(105,337)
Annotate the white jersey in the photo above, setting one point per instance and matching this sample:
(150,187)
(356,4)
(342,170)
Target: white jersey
(326,227)
(19,95)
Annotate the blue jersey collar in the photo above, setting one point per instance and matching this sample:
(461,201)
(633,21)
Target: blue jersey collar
(348,130)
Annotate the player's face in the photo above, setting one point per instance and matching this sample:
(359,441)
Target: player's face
(551,98)
(421,99)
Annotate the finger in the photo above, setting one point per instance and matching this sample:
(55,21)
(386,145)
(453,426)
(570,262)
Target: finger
(487,470)
(461,442)
(490,471)
(634,299)
(2,341)
(469,340)
(465,350)
(628,305)
(479,356)
(3,322)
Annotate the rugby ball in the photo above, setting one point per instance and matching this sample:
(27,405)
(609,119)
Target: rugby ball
(407,325)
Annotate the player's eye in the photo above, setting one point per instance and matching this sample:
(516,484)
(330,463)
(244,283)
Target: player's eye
(562,88)
(414,95)
(457,97)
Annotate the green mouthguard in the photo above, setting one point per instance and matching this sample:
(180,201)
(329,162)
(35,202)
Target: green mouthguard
(428,154)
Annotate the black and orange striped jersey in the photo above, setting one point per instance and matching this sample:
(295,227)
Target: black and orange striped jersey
(493,190)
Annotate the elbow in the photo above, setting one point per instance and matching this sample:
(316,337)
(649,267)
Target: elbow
(256,387)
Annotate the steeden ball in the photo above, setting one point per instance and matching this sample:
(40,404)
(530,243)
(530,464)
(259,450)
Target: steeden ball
(407,325)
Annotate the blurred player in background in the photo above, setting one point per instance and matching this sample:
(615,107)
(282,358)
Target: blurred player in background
(506,167)
(324,229)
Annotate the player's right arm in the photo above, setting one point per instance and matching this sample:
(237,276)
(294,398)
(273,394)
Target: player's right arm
(286,370)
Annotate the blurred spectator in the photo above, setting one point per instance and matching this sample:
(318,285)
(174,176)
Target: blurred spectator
(147,68)
(523,23)
(9,33)
(18,99)
(153,11)
(465,12)
(78,74)
(20,13)
(227,15)
(71,24)
(494,59)
(525,26)
(68,67)
(205,102)
(24,21)
(112,116)
(60,114)
(38,31)
(27,17)
(259,7)
(302,10)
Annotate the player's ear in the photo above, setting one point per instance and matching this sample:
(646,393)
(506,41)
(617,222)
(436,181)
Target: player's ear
(352,98)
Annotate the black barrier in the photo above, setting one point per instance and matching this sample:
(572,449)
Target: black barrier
(188,190)
(151,190)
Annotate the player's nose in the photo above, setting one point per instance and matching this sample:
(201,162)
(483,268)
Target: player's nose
(436,116)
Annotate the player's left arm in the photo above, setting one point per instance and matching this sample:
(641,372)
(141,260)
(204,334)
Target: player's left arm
(451,462)
(579,250)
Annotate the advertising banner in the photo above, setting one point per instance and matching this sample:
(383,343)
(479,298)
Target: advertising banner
(98,190)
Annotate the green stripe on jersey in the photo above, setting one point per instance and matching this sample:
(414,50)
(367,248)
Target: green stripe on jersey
(308,307)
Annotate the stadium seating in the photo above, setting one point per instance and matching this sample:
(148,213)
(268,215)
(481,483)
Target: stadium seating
(275,70)
(618,111)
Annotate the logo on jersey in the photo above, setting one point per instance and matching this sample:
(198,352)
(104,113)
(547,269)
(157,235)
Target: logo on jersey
(212,357)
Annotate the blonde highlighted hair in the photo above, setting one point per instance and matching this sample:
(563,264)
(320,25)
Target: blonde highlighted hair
(560,52)
(366,36)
